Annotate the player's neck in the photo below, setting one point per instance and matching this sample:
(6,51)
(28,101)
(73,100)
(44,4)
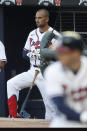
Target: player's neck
(76,66)
(44,29)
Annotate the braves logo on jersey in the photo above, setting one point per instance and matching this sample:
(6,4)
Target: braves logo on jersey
(35,49)
(77,95)
(36,44)
(80,94)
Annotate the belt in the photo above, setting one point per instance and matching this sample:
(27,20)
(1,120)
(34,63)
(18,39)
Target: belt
(36,66)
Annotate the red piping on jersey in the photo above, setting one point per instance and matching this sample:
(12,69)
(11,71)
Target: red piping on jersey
(37,34)
(31,40)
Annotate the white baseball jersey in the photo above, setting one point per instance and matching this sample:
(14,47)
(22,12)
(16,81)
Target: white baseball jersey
(61,81)
(33,43)
(2,52)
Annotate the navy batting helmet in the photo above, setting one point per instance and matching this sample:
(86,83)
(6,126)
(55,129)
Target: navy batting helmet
(72,40)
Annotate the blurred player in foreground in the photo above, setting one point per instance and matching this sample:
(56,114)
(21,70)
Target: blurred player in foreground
(66,82)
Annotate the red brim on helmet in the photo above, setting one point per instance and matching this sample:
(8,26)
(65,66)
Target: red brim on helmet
(63,49)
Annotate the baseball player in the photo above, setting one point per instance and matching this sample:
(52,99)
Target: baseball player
(27,79)
(3,58)
(66,82)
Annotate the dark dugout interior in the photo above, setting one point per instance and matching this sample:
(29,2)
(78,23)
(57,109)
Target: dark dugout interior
(18,22)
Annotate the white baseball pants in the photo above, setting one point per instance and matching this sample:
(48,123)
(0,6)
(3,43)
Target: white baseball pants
(24,80)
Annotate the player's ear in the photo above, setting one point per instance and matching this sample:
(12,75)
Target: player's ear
(47,19)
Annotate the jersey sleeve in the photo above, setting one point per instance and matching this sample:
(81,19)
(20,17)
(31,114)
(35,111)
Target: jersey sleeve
(2,52)
(53,83)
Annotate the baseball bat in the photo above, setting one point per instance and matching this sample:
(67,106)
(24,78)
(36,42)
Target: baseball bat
(23,113)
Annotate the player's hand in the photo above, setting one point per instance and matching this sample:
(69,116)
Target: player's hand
(30,54)
(34,55)
(37,55)
(83,117)
(52,47)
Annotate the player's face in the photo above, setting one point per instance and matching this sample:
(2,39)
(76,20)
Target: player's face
(64,58)
(41,19)
(69,58)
